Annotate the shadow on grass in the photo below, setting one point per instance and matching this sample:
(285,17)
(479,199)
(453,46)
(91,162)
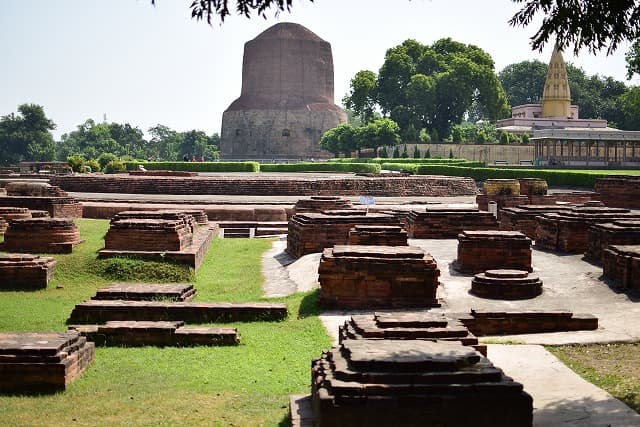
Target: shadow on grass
(309,305)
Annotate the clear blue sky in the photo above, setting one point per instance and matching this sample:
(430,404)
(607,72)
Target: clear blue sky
(146,65)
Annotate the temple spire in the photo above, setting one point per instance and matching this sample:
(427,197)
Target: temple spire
(556,98)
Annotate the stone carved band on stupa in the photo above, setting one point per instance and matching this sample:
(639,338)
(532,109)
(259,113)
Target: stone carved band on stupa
(556,98)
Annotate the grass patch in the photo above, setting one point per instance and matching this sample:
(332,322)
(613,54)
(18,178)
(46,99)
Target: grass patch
(124,269)
(612,367)
(247,385)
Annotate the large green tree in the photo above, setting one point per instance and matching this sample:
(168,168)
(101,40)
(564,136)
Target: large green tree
(26,135)
(633,59)
(430,87)
(523,82)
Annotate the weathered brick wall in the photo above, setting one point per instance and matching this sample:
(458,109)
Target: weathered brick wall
(621,265)
(479,251)
(48,235)
(619,191)
(25,271)
(58,207)
(523,218)
(377,235)
(502,201)
(148,235)
(511,322)
(600,236)
(447,223)
(271,185)
(321,204)
(313,232)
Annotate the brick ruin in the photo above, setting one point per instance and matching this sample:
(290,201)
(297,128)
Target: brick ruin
(42,362)
(621,265)
(249,229)
(40,196)
(506,284)
(447,222)
(378,235)
(147,292)
(313,232)
(193,217)
(504,192)
(479,251)
(619,191)
(413,383)
(41,235)
(25,271)
(533,187)
(568,231)
(614,233)
(8,214)
(377,276)
(523,217)
(320,204)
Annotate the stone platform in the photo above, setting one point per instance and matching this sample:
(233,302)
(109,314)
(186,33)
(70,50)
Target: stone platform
(514,322)
(621,264)
(413,383)
(42,362)
(615,233)
(41,235)
(320,204)
(58,207)
(191,255)
(619,191)
(353,276)
(271,185)
(446,222)
(313,232)
(378,235)
(159,333)
(146,292)
(479,251)
(506,284)
(98,312)
(25,271)
(409,325)
(569,231)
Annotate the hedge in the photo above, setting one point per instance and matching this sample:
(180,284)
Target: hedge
(560,177)
(197,166)
(380,160)
(321,167)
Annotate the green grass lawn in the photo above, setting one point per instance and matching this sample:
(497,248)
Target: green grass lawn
(243,386)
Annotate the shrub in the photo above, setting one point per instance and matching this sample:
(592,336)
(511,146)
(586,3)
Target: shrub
(405,153)
(321,167)
(93,165)
(198,166)
(396,152)
(427,154)
(383,153)
(416,152)
(105,158)
(76,163)
(114,166)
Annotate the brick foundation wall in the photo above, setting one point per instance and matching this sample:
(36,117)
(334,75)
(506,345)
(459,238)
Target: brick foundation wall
(58,207)
(378,235)
(25,271)
(621,265)
(619,191)
(38,235)
(479,251)
(600,236)
(447,222)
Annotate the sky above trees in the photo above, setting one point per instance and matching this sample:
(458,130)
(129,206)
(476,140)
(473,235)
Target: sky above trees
(146,65)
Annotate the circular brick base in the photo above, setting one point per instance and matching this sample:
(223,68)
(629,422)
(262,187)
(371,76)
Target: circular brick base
(506,284)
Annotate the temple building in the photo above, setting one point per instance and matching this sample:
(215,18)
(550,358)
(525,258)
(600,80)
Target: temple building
(561,137)
(286,102)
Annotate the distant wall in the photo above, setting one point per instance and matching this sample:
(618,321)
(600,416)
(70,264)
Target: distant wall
(488,153)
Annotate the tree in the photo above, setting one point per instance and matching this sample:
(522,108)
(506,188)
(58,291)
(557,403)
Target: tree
(164,143)
(633,59)
(362,98)
(590,24)
(26,136)
(89,140)
(523,82)
(416,152)
(630,105)
(340,139)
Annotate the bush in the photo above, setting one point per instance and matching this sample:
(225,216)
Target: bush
(427,154)
(405,154)
(105,158)
(321,167)
(383,153)
(416,152)
(401,167)
(114,166)
(93,165)
(396,152)
(76,163)
(197,166)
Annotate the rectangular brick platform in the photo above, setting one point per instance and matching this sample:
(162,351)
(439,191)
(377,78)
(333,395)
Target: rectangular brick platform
(569,231)
(320,204)
(414,383)
(619,191)
(58,207)
(192,255)
(409,325)
(487,322)
(523,218)
(148,235)
(446,223)
(160,333)
(192,218)
(313,232)
(146,292)
(42,362)
(377,276)
(621,265)
(571,197)
(502,200)
(479,251)
(378,235)
(616,233)
(25,271)
(97,312)
(41,235)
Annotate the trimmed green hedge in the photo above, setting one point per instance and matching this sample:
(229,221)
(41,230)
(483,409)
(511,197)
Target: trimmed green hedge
(560,177)
(321,167)
(409,160)
(197,166)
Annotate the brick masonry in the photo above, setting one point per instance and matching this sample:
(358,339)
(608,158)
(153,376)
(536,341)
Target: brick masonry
(25,271)
(144,234)
(58,207)
(377,276)
(479,251)
(146,292)
(313,232)
(619,191)
(621,265)
(41,235)
(42,362)
(523,218)
(378,235)
(414,383)
(616,233)
(506,284)
(444,223)
(260,184)
(321,204)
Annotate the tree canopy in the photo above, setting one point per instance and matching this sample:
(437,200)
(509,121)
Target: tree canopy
(430,87)
(26,136)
